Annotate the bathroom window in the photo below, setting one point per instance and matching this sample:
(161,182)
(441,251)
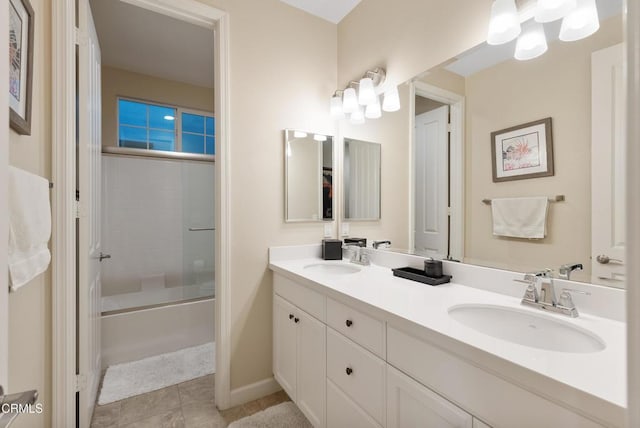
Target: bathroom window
(150,126)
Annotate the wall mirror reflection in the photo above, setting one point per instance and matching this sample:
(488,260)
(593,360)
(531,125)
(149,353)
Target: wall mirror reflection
(308,176)
(361,168)
(459,104)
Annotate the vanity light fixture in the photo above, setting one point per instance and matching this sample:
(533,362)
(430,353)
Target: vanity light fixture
(361,98)
(581,22)
(504,25)
(531,43)
(551,10)
(319,137)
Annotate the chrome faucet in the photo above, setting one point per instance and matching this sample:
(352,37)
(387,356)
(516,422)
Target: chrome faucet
(377,244)
(546,298)
(358,254)
(565,270)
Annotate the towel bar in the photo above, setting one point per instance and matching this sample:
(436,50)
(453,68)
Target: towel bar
(557,198)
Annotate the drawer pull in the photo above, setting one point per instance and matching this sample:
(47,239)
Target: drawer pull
(349,371)
(296,320)
(349,323)
(290,316)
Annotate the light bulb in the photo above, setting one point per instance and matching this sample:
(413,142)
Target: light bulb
(504,25)
(349,101)
(531,43)
(336,107)
(373,111)
(581,22)
(550,10)
(391,100)
(366,92)
(357,117)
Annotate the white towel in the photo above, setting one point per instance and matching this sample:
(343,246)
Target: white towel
(29,226)
(520,217)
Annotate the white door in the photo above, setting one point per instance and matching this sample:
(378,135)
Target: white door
(4,215)
(312,351)
(411,405)
(431,235)
(89,239)
(285,345)
(608,167)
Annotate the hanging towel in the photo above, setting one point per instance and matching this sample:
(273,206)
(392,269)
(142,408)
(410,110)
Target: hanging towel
(520,217)
(29,226)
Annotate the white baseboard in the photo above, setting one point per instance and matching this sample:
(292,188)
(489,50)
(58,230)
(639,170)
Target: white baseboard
(253,391)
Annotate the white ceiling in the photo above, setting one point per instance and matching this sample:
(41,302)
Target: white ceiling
(330,10)
(484,56)
(150,43)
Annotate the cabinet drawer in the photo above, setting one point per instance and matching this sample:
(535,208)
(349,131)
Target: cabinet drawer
(359,373)
(361,328)
(306,299)
(343,412)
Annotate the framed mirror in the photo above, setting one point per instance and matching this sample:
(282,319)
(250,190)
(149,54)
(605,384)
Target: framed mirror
(308,176)
(361,171)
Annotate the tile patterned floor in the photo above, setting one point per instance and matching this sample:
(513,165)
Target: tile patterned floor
(186,405)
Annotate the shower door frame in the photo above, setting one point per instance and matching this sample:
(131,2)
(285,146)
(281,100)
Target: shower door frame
(65,37)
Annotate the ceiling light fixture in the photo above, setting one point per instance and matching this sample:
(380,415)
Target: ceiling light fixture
(581,22)
(504,25)
(551,10)
(361,98)
(531,43)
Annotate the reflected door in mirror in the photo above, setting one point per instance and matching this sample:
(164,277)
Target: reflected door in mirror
(361,180)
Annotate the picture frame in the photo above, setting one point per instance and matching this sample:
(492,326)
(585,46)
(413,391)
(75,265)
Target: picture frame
(523,151)
(21,33)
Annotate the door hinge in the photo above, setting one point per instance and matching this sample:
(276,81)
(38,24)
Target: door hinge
(76,208)
(449,127)
(449,211)
(81,382)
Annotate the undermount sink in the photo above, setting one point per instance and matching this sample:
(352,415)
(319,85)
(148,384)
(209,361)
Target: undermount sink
(332,268)
(526,328)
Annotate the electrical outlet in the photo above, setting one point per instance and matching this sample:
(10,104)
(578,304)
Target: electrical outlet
(328,230)
(345,229)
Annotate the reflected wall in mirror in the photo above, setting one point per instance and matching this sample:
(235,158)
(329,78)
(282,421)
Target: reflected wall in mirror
(308,176)
(577,84)
(361,171)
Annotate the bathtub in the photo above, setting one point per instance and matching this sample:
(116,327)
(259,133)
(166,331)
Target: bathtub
(132,334)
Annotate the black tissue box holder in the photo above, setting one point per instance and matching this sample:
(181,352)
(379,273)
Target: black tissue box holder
(332,249)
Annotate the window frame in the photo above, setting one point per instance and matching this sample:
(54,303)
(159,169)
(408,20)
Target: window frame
(177,152)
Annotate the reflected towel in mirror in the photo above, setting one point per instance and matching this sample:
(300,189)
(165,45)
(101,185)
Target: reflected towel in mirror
(520,217)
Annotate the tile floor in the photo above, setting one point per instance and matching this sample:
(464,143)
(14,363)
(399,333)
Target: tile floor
(186,405)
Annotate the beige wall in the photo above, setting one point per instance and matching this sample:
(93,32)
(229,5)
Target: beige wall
(424,105)
(117,82)
(30,306)
(556,85)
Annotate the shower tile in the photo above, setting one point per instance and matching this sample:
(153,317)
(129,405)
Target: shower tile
(150,404)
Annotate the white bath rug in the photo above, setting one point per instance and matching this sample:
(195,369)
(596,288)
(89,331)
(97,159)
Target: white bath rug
(149,374)
(284,415)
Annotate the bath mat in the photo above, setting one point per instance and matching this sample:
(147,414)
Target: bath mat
(284,415)
(149,374)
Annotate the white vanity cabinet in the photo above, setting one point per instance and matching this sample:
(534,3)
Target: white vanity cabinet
(299,357)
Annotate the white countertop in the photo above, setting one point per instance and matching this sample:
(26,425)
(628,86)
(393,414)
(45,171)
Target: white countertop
(601,374)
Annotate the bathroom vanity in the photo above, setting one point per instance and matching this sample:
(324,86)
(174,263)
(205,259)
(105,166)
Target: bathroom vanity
(355,346)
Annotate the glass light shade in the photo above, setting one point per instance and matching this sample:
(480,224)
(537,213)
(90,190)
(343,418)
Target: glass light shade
(504,25)
(550,10)
(336,107)
(391,100)
(366,92)
(373,111)
(349,101)
(357,117)
(299,134)
(319,137)
(581,22)
(531,43)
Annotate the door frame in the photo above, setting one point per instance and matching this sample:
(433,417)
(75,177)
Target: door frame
(4,214)
(456,104)
(64,176)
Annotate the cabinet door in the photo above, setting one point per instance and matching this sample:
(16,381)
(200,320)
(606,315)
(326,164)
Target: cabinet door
(411,405)
(343,412)
(312,351)
(285,344)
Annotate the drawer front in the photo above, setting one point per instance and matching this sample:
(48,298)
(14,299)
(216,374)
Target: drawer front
(359,373)
(306,299)
(361,328)
(343,412)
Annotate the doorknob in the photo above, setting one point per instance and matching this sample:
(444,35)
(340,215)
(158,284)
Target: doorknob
(604,259)
(103,256)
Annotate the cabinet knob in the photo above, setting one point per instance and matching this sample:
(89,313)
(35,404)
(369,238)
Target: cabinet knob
(290,316)
(349,371)
(349,323)
(296,320)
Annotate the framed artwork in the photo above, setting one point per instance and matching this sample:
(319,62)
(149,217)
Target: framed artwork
(523,151)
(21,23)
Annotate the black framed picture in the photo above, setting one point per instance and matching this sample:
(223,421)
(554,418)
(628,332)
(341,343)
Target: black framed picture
(21,23)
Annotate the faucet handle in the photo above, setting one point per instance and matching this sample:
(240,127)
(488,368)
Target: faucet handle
(565,297)
(531,293)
